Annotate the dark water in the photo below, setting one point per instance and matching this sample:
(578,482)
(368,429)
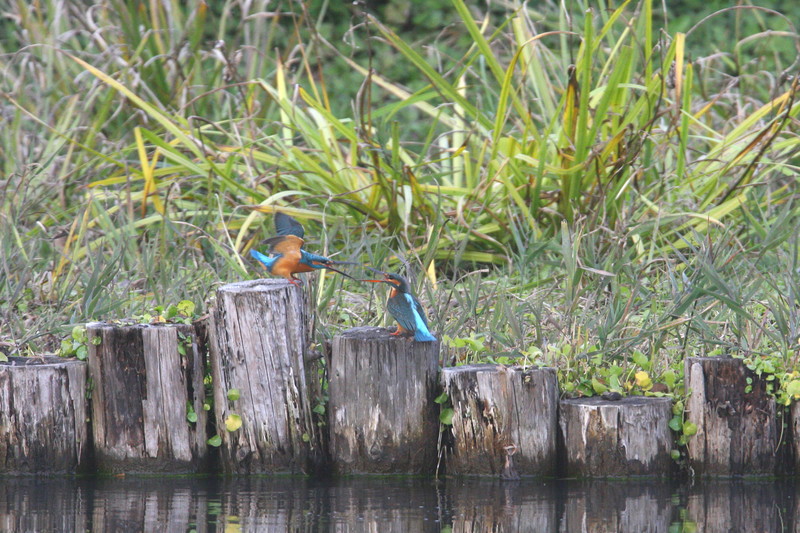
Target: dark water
(396,504)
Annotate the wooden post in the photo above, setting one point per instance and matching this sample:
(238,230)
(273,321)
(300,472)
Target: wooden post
(43,415)
(144,377)
(382,414)
(793,413)
(737,431)
(258,344)
(504,417)
(629,437)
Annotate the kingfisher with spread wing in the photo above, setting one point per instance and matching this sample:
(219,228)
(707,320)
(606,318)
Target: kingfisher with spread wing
(404,307)
(289,258)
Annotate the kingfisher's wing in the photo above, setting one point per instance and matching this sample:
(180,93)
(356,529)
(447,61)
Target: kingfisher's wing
(401,310)
(421,333)
(267,261)
(419,309)
(285,244)
(286,225)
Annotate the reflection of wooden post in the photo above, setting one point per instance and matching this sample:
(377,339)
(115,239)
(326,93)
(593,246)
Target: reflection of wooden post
(502,414)
(257,342)
(630,437)
(737,432)
(42,415)
(148,504)
(480,505)
(143,380)
(601,506)
(740,505)
(57,504)
(382,414)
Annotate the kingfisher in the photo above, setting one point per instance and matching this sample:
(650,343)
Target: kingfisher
(290,258)
(404,307)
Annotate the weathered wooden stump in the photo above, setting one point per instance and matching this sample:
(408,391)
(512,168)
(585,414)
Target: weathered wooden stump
(382,414)
(144,379)
(503,417)
(43,424)
(737,432)
(794,425)
(629,437)
(258,341)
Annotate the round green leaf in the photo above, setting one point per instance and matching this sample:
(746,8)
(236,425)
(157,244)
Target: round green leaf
(233,394)
(233,422)
(446,416)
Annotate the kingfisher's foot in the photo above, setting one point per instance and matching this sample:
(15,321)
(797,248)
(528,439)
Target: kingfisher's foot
(296,282)
(400,332)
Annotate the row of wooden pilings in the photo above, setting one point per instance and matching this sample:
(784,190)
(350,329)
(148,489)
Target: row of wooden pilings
(140,407)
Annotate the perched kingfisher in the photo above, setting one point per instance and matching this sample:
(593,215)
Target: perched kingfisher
(404,307)
(290,258)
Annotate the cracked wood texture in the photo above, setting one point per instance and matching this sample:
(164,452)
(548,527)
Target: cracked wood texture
(737,432)
(258,341)
(505,419)
(629,437)
(142,384)
(43,414)
(382,414)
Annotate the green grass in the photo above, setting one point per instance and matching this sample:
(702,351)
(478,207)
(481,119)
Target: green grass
(587,191)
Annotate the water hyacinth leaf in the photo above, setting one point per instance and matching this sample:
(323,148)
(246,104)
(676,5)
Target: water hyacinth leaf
(598,387)
(793,389)
(643,380)
(233,422)
(446,416)
(186,307)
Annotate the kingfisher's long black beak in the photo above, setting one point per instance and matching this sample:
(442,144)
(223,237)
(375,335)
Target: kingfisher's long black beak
(340,272)
(381,272)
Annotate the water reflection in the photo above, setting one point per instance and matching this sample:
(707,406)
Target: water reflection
(392,504)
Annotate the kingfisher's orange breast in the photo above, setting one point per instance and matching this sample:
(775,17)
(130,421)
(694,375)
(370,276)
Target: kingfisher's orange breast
(286,267)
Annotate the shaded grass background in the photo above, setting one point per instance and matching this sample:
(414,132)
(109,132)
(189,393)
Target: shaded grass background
(563,189)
